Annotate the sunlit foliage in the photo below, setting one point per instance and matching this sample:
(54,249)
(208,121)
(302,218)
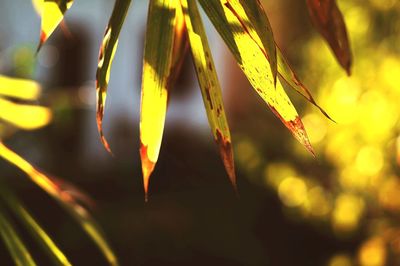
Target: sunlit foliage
(243,25)
(17,111)
(360,192)
(362,149)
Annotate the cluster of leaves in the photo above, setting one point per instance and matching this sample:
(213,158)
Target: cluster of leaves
(18,112)
(353,194)
(174,25)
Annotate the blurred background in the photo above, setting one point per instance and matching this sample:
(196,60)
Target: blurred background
(338,209)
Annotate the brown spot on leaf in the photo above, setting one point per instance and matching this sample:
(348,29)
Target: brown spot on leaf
(245,29)
(226,152)
(210,67)
(219,110)
(208,95)
(296,127)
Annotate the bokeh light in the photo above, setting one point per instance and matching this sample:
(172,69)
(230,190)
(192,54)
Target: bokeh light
(357,192)
(373,253)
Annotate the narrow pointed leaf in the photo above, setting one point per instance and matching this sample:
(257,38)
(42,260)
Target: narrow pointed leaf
(290,80)
(263,33)
(66,200)
(246,47)
(180,47)
(263,36)
(37,232)
(257,16)
(209,84)
(12,241)
(156,80)
(24,116)
(23,89)
(52,14)
(106,56)
(253,27)
(328,20)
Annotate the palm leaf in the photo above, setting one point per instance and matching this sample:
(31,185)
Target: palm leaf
(106,56)
(158,76)
(242,39)
(18,251)
(209,84)
(65,200)
(37,232)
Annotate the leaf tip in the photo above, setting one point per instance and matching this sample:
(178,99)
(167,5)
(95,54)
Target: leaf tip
(348,69)
(147,170)
(42,40)
(226,152)
(99,119)
(297,129)
(345,60)
(324,112)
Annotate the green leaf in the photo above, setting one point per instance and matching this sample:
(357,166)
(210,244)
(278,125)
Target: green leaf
(245,45)
(16,247)
(209,84)
(158,76)
(106,56)
(37,232)
(65,199)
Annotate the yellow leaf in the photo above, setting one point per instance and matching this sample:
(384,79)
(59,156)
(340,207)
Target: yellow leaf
(106,56)
(38,6)
(209,85)
(37,232)
(246,46)
(157,78)
(52,13)
(24,116)
(23,89)
(12,241)
(65,199)
(257,16)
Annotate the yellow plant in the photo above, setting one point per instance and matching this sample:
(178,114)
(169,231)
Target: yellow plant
(172,25)
(27,116)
